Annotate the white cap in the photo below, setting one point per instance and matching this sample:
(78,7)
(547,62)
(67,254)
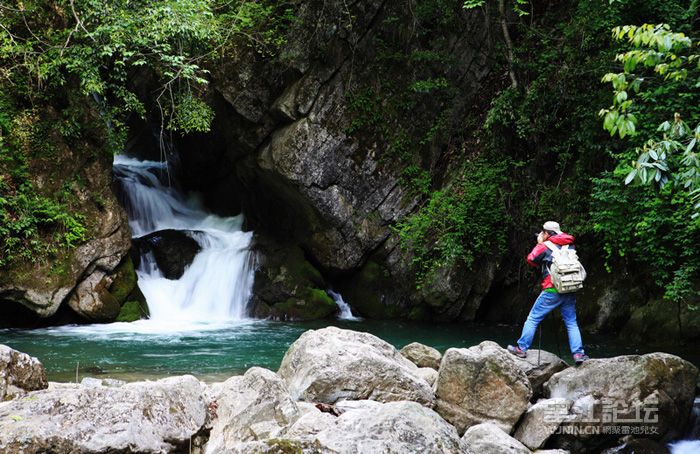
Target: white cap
(552,225)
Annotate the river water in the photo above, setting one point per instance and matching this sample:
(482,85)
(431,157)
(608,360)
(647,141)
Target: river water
(215,350)
(199,323)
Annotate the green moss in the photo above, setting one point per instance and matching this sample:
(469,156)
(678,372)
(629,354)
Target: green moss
(283,446)
(124,280)
(131,311)
(313,304)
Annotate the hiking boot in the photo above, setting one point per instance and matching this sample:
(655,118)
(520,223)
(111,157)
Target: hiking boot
(579,358)
(517,351)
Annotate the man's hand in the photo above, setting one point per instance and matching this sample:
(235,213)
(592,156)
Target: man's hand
(540,238)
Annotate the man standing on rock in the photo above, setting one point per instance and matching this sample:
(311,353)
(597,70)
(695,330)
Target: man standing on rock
(550,298)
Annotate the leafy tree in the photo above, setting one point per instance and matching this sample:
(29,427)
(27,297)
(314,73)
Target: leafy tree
(661,64)
(652,219)
(105,44)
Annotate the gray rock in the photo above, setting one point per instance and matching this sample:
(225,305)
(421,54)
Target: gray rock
(658,385)
(348,405)
(429,374)
(19,373)
(541,421)
(481,383)
(396,427)
(538,374)
(251,407)
(311,422)
(489,438)
(333,364)
(422,355)
(141,417)
(91,382)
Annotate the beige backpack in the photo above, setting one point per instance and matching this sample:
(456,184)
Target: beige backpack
(566,270)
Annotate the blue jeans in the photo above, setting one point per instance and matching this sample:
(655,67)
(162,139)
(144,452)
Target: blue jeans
(545,304)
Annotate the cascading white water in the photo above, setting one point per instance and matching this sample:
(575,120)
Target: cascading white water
(345,312)
(218,283)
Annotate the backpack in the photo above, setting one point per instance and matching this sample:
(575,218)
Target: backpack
(566,270)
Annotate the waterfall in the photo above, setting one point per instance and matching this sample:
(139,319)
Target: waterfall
(343,307)
(218,283)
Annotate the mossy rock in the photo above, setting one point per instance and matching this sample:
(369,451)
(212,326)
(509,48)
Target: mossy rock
(365,291)
(124,281)
(313,304)
(132,311)
(658,320)
(284,446)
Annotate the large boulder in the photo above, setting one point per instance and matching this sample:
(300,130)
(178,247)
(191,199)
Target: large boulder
(331,364)
(254,406)
(396,427)
(19,373)
(173,250)
(489,438)
(371,427)
(541,421)
(539,366)
(286,285)
(147,416)
(422,355)
(481,383)
(651,393)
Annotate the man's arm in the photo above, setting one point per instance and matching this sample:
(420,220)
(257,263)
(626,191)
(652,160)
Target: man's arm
(537,255)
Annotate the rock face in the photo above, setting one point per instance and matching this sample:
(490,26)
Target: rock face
(252,407)
(422,355)
(655,390)
(87,276)
(481,383)
(173,250)
(19,373)
(138,417)
(489,438)
(296,139)
(332,364)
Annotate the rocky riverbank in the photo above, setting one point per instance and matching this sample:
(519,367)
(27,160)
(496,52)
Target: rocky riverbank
(341,391)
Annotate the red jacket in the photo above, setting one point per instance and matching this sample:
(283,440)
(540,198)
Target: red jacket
(541,256)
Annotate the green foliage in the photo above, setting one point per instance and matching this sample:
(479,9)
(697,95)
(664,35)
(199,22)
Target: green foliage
(104,44)
(665,65)
(650,228)
(64,62)
(518,5)
(25,215)
(463,222)
(191,115)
